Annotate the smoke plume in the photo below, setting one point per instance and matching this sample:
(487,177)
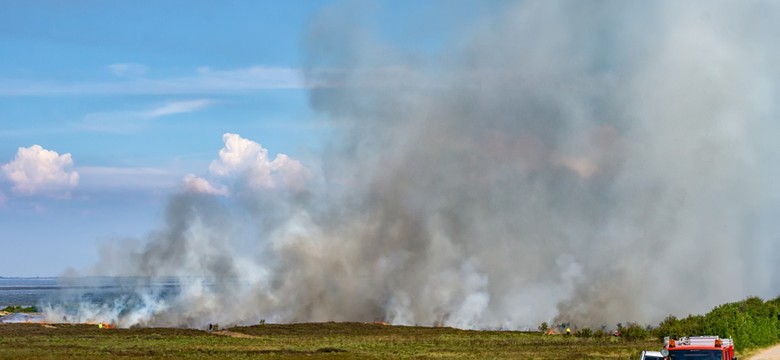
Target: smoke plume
(593,162)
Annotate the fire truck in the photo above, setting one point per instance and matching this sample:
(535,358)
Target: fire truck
(699,348)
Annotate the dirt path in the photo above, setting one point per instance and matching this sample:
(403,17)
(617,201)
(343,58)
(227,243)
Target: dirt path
(772,353)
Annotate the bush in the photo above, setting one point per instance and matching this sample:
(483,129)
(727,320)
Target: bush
(584,333)
(601,334)
(634,332)
(544,327)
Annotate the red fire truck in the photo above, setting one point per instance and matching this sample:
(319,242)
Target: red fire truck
(699,348)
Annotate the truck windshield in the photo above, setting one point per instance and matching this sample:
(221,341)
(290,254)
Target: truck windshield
(696,354)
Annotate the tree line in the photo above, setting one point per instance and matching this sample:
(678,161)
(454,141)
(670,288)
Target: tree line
(751,322)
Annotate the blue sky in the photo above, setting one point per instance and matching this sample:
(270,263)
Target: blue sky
(139,94)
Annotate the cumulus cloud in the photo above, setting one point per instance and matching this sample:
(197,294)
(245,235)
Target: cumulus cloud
(36,170)
(200,185)
(247,160)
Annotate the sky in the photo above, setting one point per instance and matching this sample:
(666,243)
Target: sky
(416,162)
(126,98)
(106,107)
(115,103)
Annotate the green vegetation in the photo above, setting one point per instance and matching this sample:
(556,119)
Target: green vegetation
(20,309)
(752,323)
(584,333)
(634,332)
(293,341)
(544,327)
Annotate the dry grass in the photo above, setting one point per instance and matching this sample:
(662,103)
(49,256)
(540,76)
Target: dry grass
(292,341)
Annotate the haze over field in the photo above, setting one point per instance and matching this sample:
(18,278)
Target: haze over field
(591,162)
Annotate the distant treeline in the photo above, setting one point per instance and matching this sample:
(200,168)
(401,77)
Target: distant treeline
(752,323)
(18,309)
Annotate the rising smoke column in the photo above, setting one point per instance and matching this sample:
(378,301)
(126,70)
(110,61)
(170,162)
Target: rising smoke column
(591,162)
(595,161)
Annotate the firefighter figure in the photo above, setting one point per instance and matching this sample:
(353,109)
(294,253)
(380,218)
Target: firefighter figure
(568,331)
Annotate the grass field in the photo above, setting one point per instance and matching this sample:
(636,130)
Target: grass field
(325,340)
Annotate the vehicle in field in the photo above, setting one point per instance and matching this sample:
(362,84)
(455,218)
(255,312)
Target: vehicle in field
(699,348)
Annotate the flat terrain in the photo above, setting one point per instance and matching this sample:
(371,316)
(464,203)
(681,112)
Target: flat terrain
(325,340)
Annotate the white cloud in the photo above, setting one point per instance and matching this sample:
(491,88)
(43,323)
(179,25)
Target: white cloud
(249,161)
(205,80)
(201,81)
(37,170)
(289,171)
(132,121)
(128,70)
(200,185)
(179,107)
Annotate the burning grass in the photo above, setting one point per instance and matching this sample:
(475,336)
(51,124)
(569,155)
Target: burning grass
(292,341)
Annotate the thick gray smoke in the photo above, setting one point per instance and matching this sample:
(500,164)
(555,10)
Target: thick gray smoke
(586,161)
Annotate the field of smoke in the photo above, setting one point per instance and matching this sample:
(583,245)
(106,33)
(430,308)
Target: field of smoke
(591,162)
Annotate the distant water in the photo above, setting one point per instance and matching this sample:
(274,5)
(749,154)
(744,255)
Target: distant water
(53,290)
(25,291)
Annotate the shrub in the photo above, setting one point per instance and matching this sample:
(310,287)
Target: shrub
(543,327)
(634,332)
(584,333)
(601,334)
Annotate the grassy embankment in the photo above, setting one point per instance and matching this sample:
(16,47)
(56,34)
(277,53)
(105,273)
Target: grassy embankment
(325,340)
